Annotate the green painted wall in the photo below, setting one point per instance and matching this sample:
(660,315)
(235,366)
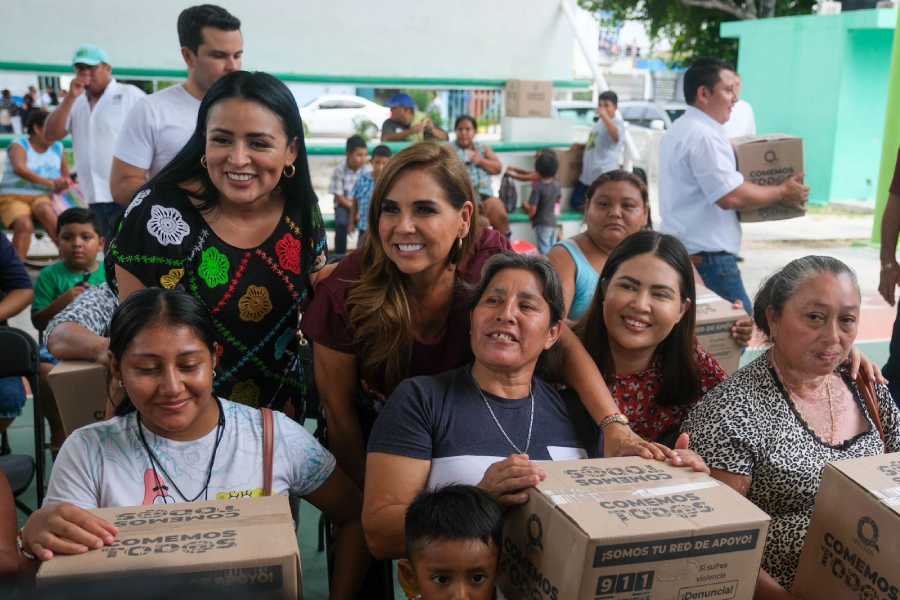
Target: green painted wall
(862,106)
(823,79)
(891,138)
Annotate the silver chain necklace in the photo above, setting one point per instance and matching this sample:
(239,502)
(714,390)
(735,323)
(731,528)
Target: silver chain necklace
(497,422)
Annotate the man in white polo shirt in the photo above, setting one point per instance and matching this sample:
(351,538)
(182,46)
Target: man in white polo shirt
(160,124)
(700,189)
(93,111)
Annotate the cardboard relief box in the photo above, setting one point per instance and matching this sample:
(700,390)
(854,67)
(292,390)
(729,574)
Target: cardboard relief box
(628,528)
(715,317)
(852,547)
(769,160)
(249,545)
(79,388)
(570,165)
(528,98)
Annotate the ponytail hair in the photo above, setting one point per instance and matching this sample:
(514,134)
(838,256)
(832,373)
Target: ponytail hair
(150,307)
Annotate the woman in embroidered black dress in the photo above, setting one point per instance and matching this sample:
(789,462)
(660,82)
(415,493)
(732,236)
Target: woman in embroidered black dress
(769,429)
(233,220)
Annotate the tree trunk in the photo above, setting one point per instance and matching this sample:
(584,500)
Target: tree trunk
(767,9)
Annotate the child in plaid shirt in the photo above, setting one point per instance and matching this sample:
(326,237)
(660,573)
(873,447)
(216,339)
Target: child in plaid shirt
(362,191)
(342,181)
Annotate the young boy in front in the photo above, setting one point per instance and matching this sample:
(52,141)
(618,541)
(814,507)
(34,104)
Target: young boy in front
(342,181)
(59,284)
(543,203)
(362,191)
(453,541)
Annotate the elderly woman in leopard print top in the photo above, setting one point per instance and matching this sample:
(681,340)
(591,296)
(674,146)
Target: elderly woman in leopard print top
(770,428)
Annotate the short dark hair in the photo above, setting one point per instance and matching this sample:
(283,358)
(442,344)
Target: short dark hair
(455,512)
(703,73)
(382,150)
(355,142)
(546,163)
(192,20)
(464,118)
(609,96)
(77,215)
(36,118)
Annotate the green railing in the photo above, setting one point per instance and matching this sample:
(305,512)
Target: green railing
(359,80)
(337,149)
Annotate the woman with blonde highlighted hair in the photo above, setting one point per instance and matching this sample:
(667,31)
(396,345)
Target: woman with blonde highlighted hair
(398,307)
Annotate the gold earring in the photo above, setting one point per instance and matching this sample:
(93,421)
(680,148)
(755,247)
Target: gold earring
(203,162)
(292,173)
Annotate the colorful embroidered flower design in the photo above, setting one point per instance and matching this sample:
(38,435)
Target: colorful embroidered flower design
(245,392)
(254,305)
(136,201)
(288,251)
(214,267)
(167,225)
(171,279)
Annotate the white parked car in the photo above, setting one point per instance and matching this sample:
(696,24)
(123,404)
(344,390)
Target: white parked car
(336,115)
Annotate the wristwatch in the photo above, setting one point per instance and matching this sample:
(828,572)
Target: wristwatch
(613,418)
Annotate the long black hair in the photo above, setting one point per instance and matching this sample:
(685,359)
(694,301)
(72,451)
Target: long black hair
(272,94)
(681,377)
(154,306)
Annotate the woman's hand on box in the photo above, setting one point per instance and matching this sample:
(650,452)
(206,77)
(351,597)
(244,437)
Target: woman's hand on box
(508,480)
(687,458)
(65,529)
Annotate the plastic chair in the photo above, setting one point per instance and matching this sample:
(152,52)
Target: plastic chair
(19,358)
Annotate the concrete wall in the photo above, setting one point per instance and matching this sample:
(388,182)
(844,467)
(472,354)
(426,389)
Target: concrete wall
(500,39)
(823,79)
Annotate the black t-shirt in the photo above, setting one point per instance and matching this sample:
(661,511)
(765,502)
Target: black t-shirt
(543,198)
(444,419)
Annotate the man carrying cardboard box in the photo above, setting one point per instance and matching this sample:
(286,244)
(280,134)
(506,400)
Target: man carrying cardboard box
(699,184)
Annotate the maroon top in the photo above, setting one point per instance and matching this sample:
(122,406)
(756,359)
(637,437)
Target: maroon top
(895,181)
(327,321)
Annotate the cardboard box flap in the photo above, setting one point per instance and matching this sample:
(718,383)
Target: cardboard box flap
(880,475)
(632,497)
(189,537)
(761,139)
(711,307)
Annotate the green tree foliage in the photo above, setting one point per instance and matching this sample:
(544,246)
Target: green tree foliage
(693,25)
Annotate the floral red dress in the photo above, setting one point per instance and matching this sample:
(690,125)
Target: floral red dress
(636,395)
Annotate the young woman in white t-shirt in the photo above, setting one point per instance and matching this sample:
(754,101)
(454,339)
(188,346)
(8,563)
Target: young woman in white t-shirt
(173,441)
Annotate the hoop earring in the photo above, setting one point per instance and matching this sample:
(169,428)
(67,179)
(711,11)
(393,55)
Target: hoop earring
(203,162)
(292,173)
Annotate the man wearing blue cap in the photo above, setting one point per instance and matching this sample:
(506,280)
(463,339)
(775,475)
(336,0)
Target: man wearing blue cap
(93,111)
(405,125)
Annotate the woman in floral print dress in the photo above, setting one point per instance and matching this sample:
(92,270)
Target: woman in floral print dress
(233,220)
(640,331)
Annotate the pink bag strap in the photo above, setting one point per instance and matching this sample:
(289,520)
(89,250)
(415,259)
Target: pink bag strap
(268,423)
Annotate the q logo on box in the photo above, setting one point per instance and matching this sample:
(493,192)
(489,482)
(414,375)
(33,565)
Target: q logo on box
(770,156)
(867,532)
